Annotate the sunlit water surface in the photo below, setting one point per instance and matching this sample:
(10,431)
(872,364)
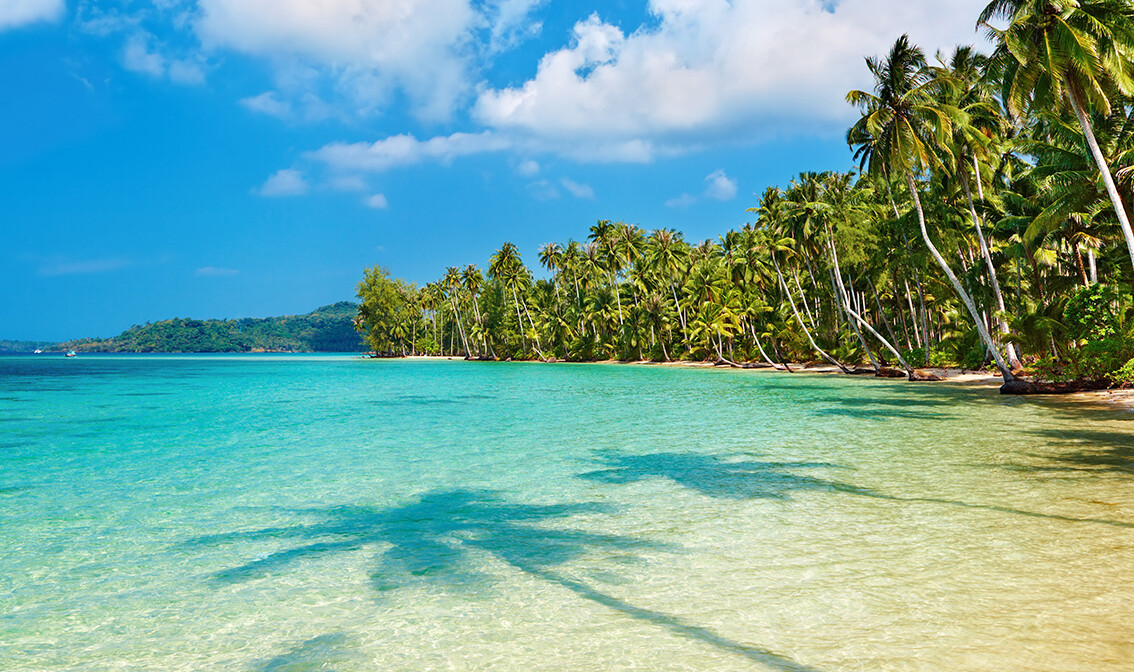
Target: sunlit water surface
(331,513)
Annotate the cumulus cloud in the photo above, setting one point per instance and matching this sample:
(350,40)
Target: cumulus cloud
(373,47)
(578,190)
(721,187)
(376,201)
(405,150)
(528,168)
(215,272)
(286,182)
(268,103)
(139,55)
(17,13)
(711,69)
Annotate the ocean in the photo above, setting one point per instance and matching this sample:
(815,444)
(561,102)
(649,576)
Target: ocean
(288,513)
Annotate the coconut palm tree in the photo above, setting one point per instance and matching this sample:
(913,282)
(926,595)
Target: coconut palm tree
(909,129)
(1068,53)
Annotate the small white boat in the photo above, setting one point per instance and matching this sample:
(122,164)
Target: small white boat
(71,353)
(38,351)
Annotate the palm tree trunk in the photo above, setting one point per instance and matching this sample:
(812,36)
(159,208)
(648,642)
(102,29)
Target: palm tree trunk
(1104,169)
(1005,371)
(803,297)
(1001,324)
(756,340)
(460,327)
(799,319)
(856,316)
(519,319)
(881,310)
(913,314)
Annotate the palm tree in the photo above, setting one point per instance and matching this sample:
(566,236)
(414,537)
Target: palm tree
(668,256)
(473,281)
(452,284)
(970,142)
(908,129)
(505,264)
(1068,52)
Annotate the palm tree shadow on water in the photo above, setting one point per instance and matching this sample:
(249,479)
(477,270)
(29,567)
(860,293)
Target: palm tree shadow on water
(438,539)
(725,477)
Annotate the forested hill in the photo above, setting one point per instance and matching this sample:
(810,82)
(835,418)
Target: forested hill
(327,329)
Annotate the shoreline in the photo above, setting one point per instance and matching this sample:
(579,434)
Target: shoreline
(1116,399)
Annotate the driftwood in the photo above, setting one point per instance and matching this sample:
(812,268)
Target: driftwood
(860,371)
(886,372)
(924,375)
(1021,386)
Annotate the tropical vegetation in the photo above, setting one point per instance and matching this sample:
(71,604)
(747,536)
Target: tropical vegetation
(326,329)
(986,223)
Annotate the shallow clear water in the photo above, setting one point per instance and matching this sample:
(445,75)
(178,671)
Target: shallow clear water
(286,513)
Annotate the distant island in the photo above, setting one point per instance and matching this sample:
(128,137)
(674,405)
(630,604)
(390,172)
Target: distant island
(326,329)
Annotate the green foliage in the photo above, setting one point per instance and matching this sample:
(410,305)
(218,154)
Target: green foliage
(1095,360)
(938,357)
(27,346)
(328,329)
(388,313)
(1090,314)
(1124,375)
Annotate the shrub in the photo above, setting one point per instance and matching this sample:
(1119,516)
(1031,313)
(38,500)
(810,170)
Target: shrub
(1090,315)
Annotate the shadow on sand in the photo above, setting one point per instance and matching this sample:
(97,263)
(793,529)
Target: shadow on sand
(1092,451)
(437,540)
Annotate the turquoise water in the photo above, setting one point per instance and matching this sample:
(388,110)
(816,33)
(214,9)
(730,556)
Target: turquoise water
(289,513)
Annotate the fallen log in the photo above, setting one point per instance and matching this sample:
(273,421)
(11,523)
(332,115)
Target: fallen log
(925,376)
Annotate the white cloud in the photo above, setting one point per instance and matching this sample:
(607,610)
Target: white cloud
(286,182)
(139,56)
(215,272)
(17,13)
(713,69)
(578,190)
(188,71)
(268,103)
(404,150)
(376,201)
(721,187)
(528,168)
(681,202)
(371,47)
(510,24)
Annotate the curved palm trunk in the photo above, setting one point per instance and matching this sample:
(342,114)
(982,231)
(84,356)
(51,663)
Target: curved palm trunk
(519,318)
(756,340)
(856,316)
(1104,169)
(460,326)
(1002,325)
(1005,371)
(881,311)
(799,319)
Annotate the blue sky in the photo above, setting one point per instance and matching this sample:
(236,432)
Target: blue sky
(231,158)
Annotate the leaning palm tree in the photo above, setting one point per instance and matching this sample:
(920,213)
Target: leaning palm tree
(908,130)
(1068,53)
(970,143)
(452,284)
